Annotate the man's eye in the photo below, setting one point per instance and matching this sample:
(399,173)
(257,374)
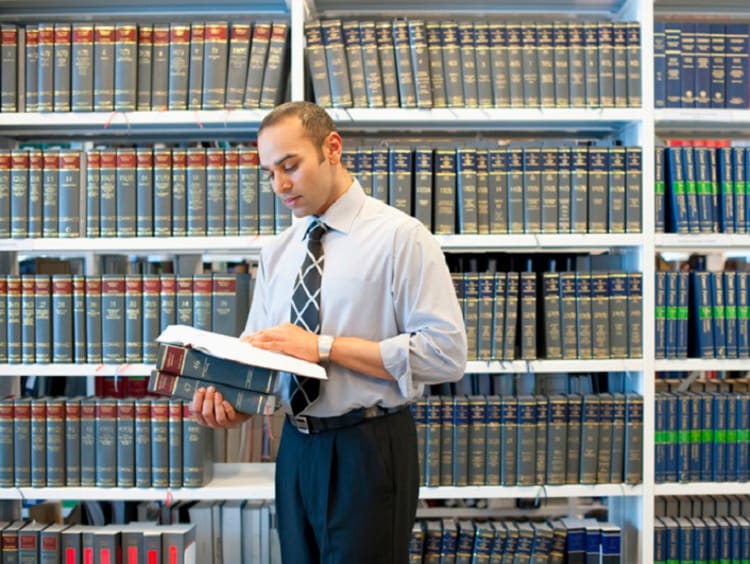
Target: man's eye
(290,168)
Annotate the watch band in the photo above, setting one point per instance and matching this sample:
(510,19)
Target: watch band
(325,342)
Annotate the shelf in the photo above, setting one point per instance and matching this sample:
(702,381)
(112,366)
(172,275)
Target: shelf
(60,369)
(248,245)
(548,366)
(695,8)
(701,241)
(105,124)
(428,8)
(36,10)
(256,481)
(470,492)
(559,241)
(702,121)
(471,120)
(701,364)
(703,488)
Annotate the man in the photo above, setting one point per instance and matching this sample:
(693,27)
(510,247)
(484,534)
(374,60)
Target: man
(384,320)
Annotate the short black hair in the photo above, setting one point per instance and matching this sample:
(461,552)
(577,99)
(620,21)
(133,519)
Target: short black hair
(315,120)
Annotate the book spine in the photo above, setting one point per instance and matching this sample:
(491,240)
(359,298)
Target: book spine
(406,80)
(445,192)
(3,319)
(552,321)
(125,429)
(55,443)
(104,67)
(62,318)
(557,433)
(620,63)
(184,300)
(106,443)
(509,440)
(617,196)
(195,73)
(526,441)
(195,466)
(88,442)
(179,189)
(400,166)
(214,191)
(167,300)
(261,37)
(540,448)
(577,65)
(316,63)
(433,35)
(145,61)
(94,325)
(69,193)
(113,318)
(606,64)
(80,335)
(72,427)
(275,71)
(420,63)
(466,191)
(133,306)
(634,64)
(28,334)
(150,316)
(196,191)
(7,435)
(50,193)
(144,191)
(13,312)
(45,67)
(215,65)
(224,306)
(549,194)
(179,65)
(31,81)
(564,191)
(570,318)
(125,67)
(142,443)
(19,193)
(337,71)
(598,189)
(162,190)
(38,441)
(202,286)
(160,68)
(160,443)
(231,192)
(386,55)
(433,441)
(101,192)
(126,192)
(34,225)
(736,65)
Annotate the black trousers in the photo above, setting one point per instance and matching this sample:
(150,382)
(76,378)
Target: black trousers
(349,495)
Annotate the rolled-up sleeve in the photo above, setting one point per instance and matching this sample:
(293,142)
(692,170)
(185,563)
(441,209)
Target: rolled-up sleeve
(431,345)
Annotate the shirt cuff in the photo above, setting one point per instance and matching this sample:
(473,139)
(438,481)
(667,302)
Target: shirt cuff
(395,354)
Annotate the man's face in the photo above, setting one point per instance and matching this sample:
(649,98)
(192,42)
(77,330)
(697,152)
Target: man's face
(301,173)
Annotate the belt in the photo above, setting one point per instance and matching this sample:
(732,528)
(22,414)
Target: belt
(308,424)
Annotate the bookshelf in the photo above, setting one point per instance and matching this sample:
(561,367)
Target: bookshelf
(637,126)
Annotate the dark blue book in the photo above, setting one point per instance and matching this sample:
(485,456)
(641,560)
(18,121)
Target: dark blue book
(695,436)
(707,437)
(113,318)
(93,195)
(718,65)
(196,192)
(460,458)
(730,455)
(498,315)
(94,325)
(742,455)
(28,336)
(150,314)
(201,305)
(230,302)
(167,300)
(215,196)
(677,215)
(743,315)
(671,288)
(126,193)
(34,226)
(739,190)
(400,166)
(660,70)
(731,321)
(498,190)
(532,190)
(423,196)
(133,318)
(736,80)
(673,64)
(687,64)
(179,188)
(719,451)
(162,188)
(683,403)
(466,190)
(746,177)
(659,190)
(432,455)
(508,440)
(79,318)
(691,188)
(670,430)
(702,65)
(364,170)
(516,196)
(62,318)
(682,314)
(701,334)
(19,193)
(726,190)
(144,190)
(660,445)
(380,174)
(718,314)
(231,191)
(704,171)
(444,215)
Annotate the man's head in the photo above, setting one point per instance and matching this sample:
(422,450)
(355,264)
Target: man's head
(300,150)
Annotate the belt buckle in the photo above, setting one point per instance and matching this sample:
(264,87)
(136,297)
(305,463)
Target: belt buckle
(300,422)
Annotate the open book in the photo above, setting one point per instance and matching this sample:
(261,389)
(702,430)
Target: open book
(231,348)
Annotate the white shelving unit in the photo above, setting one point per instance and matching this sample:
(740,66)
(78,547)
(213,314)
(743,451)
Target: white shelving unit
(633,505)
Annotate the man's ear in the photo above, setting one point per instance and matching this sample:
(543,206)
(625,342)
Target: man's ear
(334,147)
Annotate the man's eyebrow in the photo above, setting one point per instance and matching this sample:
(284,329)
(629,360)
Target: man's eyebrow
(279,161)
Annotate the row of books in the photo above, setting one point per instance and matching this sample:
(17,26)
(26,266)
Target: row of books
(134,543)
(95,442)
(702,436)
(701,314)
(530,439)
(515,189)
(551,315)
(701,539)
(701,64)
(566,539)
(437,64)
(112,318)
(702,190)
(104,67)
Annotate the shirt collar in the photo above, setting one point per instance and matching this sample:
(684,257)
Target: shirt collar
(340,216)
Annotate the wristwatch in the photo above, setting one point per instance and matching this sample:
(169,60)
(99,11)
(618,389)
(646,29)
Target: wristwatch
(325,342)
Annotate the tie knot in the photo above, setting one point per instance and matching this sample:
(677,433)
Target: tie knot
(316,230)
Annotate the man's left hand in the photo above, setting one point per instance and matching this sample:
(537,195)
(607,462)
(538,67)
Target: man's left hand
(287,338)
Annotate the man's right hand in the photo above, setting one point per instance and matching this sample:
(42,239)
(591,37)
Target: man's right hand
(211,410)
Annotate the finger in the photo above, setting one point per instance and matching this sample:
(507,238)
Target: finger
(219,412)
(231,414)
(208,406)
(197,404)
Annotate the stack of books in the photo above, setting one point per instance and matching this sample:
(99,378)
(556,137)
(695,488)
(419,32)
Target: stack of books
(189,359)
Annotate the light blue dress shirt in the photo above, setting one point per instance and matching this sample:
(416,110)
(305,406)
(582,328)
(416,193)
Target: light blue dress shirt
(384,279)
